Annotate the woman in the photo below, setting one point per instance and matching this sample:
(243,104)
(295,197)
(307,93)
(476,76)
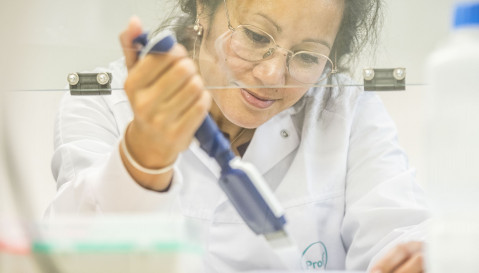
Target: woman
(330,154)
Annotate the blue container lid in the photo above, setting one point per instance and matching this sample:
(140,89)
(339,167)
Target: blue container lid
(466,14)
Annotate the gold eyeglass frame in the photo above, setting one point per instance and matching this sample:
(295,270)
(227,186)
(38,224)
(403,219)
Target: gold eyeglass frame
(290,54)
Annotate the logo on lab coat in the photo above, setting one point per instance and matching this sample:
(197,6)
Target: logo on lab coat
(315,257)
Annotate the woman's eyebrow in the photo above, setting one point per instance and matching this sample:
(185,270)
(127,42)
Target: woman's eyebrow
(278,28)
(323,42)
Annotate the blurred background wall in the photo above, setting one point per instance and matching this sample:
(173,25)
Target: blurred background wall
(51,38)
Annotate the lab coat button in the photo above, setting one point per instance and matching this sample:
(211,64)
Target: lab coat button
(284,133)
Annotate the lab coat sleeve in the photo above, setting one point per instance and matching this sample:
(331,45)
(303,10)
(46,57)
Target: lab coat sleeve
(384,204)
(88,168)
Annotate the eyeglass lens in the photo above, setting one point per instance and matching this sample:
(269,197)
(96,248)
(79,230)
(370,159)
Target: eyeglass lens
(253,44)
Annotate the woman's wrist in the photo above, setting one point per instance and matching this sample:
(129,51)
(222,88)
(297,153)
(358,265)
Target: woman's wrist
(144,151)
(157,179)
(138,166)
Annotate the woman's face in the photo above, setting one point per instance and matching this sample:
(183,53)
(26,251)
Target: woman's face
(297,25)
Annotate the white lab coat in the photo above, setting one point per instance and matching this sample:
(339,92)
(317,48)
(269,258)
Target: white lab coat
(340,174)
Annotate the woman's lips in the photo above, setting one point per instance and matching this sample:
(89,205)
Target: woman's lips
(256,101)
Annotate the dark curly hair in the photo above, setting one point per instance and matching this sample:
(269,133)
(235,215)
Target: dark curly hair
(360,25)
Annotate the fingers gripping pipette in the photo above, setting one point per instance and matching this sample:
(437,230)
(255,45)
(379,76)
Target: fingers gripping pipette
(242,183)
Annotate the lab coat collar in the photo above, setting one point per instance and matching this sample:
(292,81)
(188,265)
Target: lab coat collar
(272,142)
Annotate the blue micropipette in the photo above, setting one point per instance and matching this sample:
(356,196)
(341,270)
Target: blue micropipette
(242,183)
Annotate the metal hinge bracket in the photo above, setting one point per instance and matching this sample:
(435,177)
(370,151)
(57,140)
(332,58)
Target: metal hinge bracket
(384,79)
(89,84)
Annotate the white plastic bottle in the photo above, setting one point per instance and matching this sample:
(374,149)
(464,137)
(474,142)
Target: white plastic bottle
(452,147)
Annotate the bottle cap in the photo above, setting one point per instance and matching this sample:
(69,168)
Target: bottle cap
(466,14)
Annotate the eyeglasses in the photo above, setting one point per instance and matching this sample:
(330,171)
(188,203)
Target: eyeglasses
(253,44)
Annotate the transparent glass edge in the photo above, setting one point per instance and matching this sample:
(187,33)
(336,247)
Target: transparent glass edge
(51,247)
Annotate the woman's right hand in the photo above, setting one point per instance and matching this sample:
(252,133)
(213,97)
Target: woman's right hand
(169,103)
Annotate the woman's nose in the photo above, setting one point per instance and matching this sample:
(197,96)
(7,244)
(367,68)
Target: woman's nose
(272,71)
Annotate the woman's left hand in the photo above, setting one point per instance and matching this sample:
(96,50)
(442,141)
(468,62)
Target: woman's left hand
(404,258)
